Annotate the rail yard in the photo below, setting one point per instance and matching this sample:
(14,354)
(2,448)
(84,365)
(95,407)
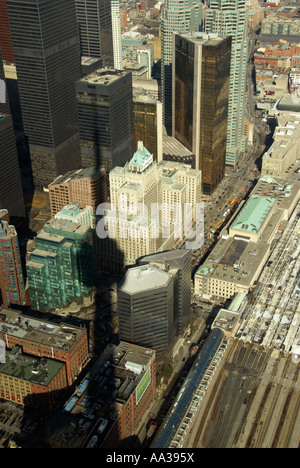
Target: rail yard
(253,402)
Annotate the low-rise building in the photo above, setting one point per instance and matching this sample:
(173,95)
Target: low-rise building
(34,382)
(44,339)
(244,246)
(285,149)
(110,403)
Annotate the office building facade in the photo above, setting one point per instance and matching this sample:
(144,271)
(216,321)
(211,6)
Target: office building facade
(85,186)
(230,18)
(105,117)
(11,193)
(177,263)
(186,16)
(12,284)
(147,116)
(94,19)
(47,58)
(146,309)
(201,70)
(147,214)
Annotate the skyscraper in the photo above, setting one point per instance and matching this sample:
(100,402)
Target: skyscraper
(147,113)
(105,118)
(4,106)
(146,309)
(47,56)
(116,31)
(179,16)
(177,263)
(11,193)
(201,70)
(6,46)
(95,29)
(230,18)
(11,274)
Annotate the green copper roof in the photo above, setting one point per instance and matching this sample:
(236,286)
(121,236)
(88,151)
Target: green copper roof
(253,214)
(142,157)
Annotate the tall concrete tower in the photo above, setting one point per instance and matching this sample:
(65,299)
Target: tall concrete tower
(230,17)
(116,30)
(179,16)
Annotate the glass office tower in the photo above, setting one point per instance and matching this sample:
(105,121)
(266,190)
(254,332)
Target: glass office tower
(201,72)
(47,57)
(230,17)
(179,16)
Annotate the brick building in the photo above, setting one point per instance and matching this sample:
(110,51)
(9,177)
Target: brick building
(6,46)
(31,381)
(62,342)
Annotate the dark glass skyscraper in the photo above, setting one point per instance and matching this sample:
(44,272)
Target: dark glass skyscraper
(11,194)
(200,95)
(95,29)
(47,57)
(105,116)
(179,16)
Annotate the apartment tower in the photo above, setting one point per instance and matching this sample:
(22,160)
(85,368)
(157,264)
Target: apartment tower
(116,31)
(179,16)
(11,275)
(201,71)
(230,18)
(60,268)
(47,57)
(94,19)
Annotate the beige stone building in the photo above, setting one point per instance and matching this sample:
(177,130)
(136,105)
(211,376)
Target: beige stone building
(147,209)
(286,147)
(241,253)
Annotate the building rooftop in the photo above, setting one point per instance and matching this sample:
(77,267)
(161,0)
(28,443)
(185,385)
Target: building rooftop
(31,369)
(141,159)
(62,336)
(202,38)
(114,377)
(90,172)
(7,230)
(144,278)
(253,214)
(103,76)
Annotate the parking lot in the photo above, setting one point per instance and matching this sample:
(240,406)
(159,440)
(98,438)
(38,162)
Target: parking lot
(11,423)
